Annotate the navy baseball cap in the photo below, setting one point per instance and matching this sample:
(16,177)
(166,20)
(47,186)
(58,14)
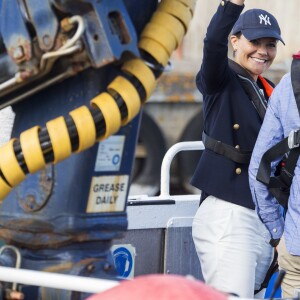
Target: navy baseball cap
(257,23)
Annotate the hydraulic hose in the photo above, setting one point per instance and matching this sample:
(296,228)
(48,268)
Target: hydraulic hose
(110,110)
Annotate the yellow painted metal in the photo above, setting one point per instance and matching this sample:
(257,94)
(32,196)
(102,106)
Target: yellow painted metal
(4,189)
(60,139)
(142,72)
(161,35)
(129,94)
(155,49)
(170,23)
(9,164)
(85,126)
(32,150)
(178,10)
(111,113)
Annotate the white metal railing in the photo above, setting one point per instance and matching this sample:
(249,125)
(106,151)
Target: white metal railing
(56,280)
(166,164)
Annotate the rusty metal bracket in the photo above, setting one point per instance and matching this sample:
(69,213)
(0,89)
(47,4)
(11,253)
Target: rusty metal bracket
(15,34)
(44,21)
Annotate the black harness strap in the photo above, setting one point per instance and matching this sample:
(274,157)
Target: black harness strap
(264,170)
(251,88)
(238,156)
(295,74)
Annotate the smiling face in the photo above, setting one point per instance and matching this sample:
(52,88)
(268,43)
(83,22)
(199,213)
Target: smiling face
(255,56)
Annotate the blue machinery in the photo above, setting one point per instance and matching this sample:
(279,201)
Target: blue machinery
(75,73)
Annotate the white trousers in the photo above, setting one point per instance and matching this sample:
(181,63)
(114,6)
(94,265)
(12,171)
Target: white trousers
(233,247)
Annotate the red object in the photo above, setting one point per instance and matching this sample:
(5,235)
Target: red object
(161,287)
(267,86)
(297,55)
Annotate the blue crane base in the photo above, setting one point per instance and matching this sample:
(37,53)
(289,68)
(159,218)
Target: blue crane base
(61,218)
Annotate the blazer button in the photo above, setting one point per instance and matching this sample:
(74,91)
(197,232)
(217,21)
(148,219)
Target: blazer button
(237,147)
(236,126)
(238,171)
(223,3)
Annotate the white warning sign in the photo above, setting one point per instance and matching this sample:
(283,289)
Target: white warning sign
(107,194)
(110,151)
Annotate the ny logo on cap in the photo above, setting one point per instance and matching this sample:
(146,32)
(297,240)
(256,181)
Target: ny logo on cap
(265,19)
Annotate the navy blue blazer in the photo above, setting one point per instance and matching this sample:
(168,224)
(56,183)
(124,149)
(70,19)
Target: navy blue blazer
(229,115)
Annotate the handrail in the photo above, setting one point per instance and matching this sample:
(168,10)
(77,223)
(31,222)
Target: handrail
(166,164)
(56,280)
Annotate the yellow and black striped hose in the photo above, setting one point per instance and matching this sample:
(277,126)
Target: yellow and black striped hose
(109,110)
